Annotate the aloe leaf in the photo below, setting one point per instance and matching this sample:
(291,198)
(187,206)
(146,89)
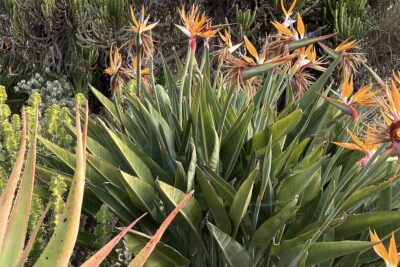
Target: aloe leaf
(235,254)
(217,209)
(15,233)
(145,253)
(7,196)
(99,256)
(32,238)
(61,244)
(241,201)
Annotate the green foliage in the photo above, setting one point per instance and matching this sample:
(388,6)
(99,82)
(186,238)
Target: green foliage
(105,222)
(267,180)
(57,188)
(346,16)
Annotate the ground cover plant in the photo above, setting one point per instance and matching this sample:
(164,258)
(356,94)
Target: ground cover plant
(264,156)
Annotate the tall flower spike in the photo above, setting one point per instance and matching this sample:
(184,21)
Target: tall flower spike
(390,256)
(140,26)
(347,100)
(113,70)
(368,147)
(288,13)
(258,58)
(195,24)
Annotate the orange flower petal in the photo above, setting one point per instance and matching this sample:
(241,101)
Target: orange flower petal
(348,146)
(300,26)
(393,258)
(250,47)
(282,29)
(346,45)
(380,249)
(347,88)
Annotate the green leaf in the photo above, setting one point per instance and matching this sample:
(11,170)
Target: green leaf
(140,192)
(217,209)
(308,41)
(308,98)
(145,252)
(131,158)
(325,251)
(297,181)
(214,158)
(240,204)
(233,140)
(191,213)
(270,227)
(163,254)
(276,131)
(359,223)
(234,253)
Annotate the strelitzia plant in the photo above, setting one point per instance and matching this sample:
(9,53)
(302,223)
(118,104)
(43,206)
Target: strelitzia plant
(368,147)
(390,256)
(143,42)
(271,189)
(114,71)
(348,101)
(289,32)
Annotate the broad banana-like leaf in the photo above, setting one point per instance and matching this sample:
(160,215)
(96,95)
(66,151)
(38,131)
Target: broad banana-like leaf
(145,253)
(242,199)
(233,140)
(325,251)
(359,223)
(235,254)
(217,209)
(270,227)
